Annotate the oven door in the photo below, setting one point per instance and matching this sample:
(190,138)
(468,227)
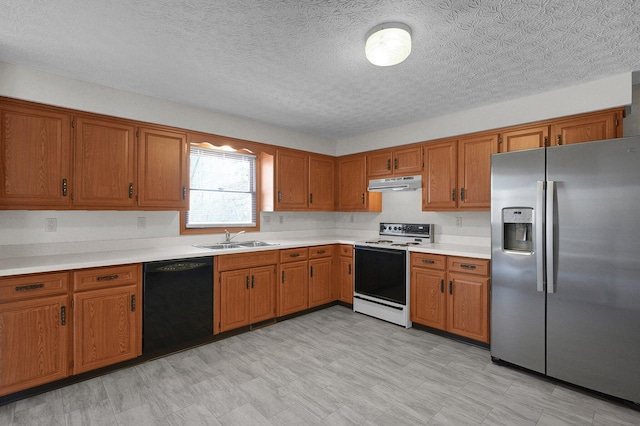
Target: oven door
(381,273)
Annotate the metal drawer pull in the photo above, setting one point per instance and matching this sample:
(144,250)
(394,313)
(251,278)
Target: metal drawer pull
(429,261)
(294,255)
(107,277)
(29,287)
(321,251)
(466,266)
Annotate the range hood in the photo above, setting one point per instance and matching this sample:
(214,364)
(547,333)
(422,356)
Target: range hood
(405,183)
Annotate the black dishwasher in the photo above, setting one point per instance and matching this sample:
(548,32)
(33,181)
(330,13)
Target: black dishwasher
(178,304)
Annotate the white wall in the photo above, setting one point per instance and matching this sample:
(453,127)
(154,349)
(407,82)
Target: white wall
(31,85)
(593,96)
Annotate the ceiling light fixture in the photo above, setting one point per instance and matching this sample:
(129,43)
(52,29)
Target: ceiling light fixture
(388,44)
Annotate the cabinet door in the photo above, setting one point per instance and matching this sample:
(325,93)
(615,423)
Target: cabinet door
(346,279)
(162,169)
(292,180)
(320,272)
(428,298)
(474,171)
(407,161)
(293,290)
(106,327)
(35,152)
(587,128)
(263,293)
(380,164)
(468,306)
(321,183)
(352,186)
(33,343)
(529,138)
(104,164)
(439,189)
(234,299)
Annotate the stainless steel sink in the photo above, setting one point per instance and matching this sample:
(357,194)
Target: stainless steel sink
(255,244)
(239,244)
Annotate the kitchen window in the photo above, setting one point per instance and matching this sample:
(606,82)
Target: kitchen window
(222,189)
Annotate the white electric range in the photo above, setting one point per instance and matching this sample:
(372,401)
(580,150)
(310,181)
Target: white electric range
(382,271)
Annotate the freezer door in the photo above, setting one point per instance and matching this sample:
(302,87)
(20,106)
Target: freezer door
(517,299)
(593,310)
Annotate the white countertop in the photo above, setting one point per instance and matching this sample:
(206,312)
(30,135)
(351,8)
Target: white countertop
(115,253)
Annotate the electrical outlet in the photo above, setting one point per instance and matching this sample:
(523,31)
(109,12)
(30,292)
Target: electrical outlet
(459,222)
(50,224)
(142,222)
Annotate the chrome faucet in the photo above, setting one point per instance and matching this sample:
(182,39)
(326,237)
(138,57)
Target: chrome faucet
(228,236)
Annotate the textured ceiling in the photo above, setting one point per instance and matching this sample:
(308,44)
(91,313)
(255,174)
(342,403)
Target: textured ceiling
(300,63)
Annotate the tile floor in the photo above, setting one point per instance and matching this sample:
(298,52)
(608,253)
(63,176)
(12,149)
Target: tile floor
(331,367)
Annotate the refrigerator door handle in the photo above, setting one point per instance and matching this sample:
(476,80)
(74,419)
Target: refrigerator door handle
(551,207)
(540,278)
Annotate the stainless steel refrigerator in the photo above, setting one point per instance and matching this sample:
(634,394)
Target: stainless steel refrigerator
(565,279)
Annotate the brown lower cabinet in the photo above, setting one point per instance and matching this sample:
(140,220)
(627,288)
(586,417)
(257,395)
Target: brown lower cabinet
(245,291)
(34,331)
(293,285)
(107,308)
(345,278)
(320,275)
(451,293)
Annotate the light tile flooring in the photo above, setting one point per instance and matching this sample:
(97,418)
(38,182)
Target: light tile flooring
(331,367)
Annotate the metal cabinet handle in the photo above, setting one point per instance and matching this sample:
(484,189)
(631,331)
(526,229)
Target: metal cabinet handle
(395,163)
(461,194)
(450,287)
(389,164)
(321,251)
(279,196)
(363,198)
(453,194)
(63,315)
(29,287)
(131,190)
(311,271)
(247,281)
(294,255)
(467,266)
(283,277)
(442,286)
(253,281)
(184,192)
(310,198)
(64,187)
(107,277)
(428,261)
(133,303)
(349,269)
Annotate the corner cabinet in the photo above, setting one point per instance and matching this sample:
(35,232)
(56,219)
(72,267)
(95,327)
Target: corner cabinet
(35,324)
(35,154)
(163,169)
(352,186)
(303,181)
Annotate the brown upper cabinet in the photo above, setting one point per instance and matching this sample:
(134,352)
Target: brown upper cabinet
(303,181)
(104,163)
(399,161)
(587,127)
(163,169)
(35,150)
(524,138)
(457,173)
(352,186)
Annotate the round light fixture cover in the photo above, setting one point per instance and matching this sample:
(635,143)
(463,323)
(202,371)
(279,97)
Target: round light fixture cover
(388,44)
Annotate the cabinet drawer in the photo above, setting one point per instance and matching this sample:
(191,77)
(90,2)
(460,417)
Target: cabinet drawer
(468,265)
(320,251)
(292,255)
(228,262)
(428,260)
(35,285)
(346,250)
(89,279)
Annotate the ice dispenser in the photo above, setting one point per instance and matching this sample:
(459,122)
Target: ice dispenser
(517,229)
